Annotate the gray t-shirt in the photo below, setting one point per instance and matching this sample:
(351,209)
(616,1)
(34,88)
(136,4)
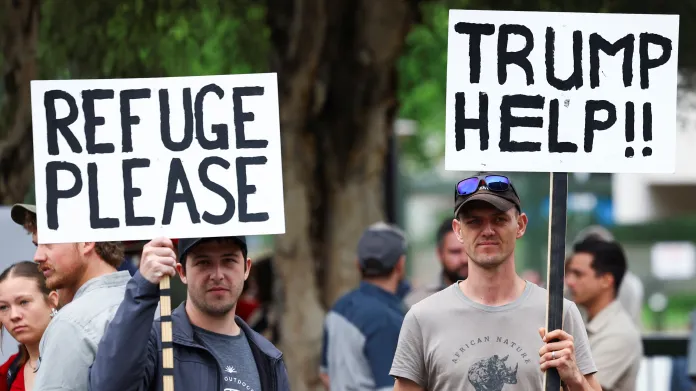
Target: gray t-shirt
(236,361)
(449,342)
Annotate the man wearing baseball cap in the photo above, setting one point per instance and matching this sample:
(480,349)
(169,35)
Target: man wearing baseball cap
(213,347)
(90,288)
(487,331)
(362,329)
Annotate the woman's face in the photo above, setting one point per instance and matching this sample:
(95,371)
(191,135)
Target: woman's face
(24,311)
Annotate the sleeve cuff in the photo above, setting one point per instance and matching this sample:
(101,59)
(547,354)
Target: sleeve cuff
(407,375)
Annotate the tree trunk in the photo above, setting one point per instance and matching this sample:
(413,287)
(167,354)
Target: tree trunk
(336,64)
(19,39)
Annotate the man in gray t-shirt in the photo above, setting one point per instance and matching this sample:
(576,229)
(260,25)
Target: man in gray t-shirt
(450,342)
(486,333)
(235,359)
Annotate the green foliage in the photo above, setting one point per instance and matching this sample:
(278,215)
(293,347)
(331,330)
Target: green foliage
(423,80)
(678,228)
(115,39)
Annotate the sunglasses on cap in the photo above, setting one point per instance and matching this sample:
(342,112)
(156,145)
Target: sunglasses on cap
(495,183)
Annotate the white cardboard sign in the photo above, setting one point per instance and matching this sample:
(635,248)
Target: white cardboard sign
(132,159)
(561,92)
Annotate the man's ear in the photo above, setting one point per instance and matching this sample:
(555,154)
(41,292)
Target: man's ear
(608,280)
(401,265)
(181,269)
(247,266)
(86,247)
(522,221)
(457,228)
(54,299)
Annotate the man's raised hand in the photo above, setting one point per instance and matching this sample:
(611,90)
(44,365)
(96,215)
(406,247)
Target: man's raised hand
(158,260)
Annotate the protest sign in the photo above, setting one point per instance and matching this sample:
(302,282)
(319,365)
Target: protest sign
(561,92)
(132,159)
(575,92)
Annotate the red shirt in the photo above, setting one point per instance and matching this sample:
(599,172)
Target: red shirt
(18,384)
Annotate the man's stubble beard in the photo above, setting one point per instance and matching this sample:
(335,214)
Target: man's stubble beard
(67,280)
(216,310)
(489,261)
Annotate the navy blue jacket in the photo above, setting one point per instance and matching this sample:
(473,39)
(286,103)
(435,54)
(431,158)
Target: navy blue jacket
(129,355)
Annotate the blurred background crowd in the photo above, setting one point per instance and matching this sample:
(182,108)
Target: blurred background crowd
(362,169)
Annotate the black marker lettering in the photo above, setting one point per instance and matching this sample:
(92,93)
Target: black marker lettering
(575,79)
(217,189)
(92,121)
(244,189)
(165,130)
(221,142)
(598,43)
(647,63)
(592,124)
(53,194)
(556,146)
(647,127)
(130,192)
(95,221)
(178,175)
(461,123)
(240,117)
(54,125)
(128,120)
(630,121)
(474,31)
(508,121)
(518,58)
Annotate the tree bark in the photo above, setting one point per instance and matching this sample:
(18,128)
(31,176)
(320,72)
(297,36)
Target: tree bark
(19,40)
(336,64)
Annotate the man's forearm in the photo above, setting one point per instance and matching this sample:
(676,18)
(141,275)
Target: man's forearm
(583,384)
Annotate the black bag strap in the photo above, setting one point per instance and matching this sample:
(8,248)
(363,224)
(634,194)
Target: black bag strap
(13,370)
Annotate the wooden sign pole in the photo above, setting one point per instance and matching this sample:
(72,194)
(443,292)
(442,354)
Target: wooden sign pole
(558,201)
(167,346)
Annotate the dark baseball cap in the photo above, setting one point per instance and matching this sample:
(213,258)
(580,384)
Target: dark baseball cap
(502,200)
(186,244)
(19,212)
(380,247)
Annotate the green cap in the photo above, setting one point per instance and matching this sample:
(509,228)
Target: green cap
(19,212)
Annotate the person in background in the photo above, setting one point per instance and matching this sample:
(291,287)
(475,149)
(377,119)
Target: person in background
(214,348)
(128,266)
(250,308)
(26,308)
(683,377)
(454,261)
(404,288)
(631,292)
(362,329)
(487,332)
(85,273)
(594,274)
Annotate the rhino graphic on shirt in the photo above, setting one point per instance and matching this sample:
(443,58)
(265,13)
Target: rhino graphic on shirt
(491,374)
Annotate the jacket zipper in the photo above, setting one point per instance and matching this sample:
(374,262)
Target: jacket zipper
(274,374)
(270,361)
(203,348)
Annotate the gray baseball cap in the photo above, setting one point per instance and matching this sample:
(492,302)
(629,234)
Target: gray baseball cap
(19,212)
(380,247)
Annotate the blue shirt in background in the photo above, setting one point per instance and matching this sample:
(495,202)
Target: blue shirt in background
(128,265)
(361,332)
